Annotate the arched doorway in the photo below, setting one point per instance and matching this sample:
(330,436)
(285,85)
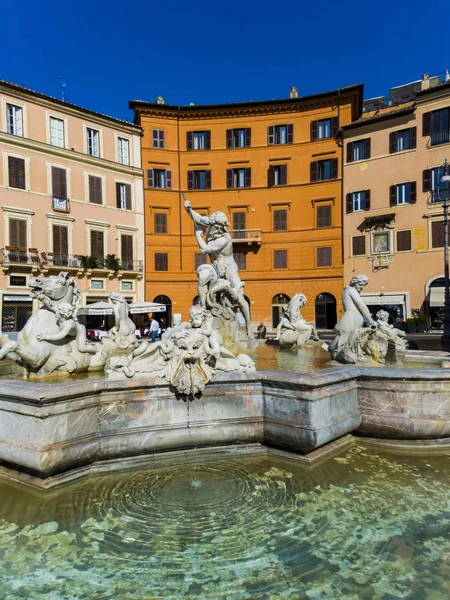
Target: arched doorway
(168,314)
(279,303)
(435,299)
(325,311)
(195,301)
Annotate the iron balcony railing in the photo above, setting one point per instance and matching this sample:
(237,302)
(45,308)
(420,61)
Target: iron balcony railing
(441,137)
(245,235)
(31,256)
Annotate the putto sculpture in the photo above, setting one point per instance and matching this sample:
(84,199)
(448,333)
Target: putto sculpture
(293,330)
(220,288)
(186,357)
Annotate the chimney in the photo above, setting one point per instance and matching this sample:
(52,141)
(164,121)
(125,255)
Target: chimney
(293,92)
(447,75)
(159,99)
(425,85)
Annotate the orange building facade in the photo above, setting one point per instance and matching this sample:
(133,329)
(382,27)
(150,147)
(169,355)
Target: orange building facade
(275,169)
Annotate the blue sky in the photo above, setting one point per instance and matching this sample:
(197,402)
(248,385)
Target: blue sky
(208,52)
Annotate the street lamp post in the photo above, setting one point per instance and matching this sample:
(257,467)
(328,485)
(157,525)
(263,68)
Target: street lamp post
(446,336)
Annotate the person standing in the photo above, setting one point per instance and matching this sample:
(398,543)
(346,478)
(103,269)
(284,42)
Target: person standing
(154,328)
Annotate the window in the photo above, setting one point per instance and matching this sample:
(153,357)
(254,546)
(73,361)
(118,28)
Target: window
(159,179)
(199,180)
(324,128)
(359,150)
(123,196)
(404,241)
(358,245)
(277,175)
(241,260)
(93,142)
(239,138)
(280,134)
(57,132)
(356,201)
(280,219)
(16,172)
(280,259)
(95,190)
(123,151)
(126,252)
(437,234)
(14,119)
(97,284)
(200,259)
(18,233)
(59,183)
(160,222)
(403,193)
(323,215)
(158,140)
(161,261)
(239,225)
(405,139)
(324,169)
(17,281)
(436,124)
(239,178)
(126,286)
(324,257)
(97,246)
(432,183)
(60,242)
(198,140)
(381,242)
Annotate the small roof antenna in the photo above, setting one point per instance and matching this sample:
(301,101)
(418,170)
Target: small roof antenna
(63,86)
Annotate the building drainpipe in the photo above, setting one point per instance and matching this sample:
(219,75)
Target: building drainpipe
(180,207)
(342,182)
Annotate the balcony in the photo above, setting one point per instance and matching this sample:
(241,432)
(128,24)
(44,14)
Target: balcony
(61,205)
(441,137)
(246,236)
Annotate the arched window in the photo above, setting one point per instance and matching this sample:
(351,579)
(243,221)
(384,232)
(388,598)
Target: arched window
(325,311)
(161,299)
(279,302)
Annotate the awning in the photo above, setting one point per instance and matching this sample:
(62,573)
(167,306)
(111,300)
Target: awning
(137,308)
(106,308)
(385,299)
(436,296)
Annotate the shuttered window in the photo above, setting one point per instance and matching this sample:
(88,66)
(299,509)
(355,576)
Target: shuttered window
(238,178)
(437,234)
(123,151)
(324,257)
(405,139)
(404,241)
(280,134)
(59,183)
(159,178)
(322,170)
(324,128)
(60,240)
(161,261)
(160,222)
(239,138)
(277,175)
(323,218)
(200,259)
(123,196)
(17,233)
(199,180)
(280,259)
(158,138)
(16,172)
(126,251)
(280,220)
(403,193)
(358,245)
(239,219)
(95,190)
(358,201)
(198,140)
(241,260)
(97,246)
(359,150)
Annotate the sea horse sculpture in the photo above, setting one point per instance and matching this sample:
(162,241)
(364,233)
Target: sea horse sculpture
(293,330)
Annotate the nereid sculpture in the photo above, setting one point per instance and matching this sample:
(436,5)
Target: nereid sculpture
(293,330)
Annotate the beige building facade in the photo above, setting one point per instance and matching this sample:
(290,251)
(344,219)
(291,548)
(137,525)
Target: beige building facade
(71,195)
(393,214)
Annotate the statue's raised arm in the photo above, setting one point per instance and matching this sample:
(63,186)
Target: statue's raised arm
(195,216)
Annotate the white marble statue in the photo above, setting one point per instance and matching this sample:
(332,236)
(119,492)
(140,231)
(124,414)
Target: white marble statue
(220,288)
(394,336)
(122,335)
(293,330)
(187,356)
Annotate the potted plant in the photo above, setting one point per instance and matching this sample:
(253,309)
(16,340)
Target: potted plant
(421,322)
(88,262)
(411,326)
(112,262)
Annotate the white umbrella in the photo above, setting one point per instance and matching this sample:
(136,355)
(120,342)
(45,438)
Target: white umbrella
(97,308)
(106,308)
(146,307)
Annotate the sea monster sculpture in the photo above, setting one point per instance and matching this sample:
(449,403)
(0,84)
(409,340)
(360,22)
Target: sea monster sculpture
(122,336)
(293,330)
(187,356)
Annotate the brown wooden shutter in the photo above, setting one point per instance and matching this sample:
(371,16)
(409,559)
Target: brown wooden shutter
(393,142)
(314,130)
(334,126)
(229,138)
(334,168)
(314,170)
(17,233)
(367,148)
(208,179)
(127,196)
(248,137)
(60,240)
(95,189)
(190,140)
(271,135)
(290,134)
(208,140)
(324,257)
(161,261)
(126,254)
(118,200)
(280,220)
(350,152)
(393,195)
(229,178)
(59,183)
(349,202)
(426,124)
(160,222)
(168,179)
(280,259)
(426,180)
(358,245)
(412,192)
(248,177)
(162,138)
(403,241)
(190,180)
(283,174)
(97,246)
(366,199)
(271,176)
(323,218)
(239,220)
(437,234)
(16,172)
(150,178)
(413,137)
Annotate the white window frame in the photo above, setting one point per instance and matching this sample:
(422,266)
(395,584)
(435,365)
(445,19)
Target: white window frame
(4,116)
(361,197)
(16,108)
(96,150)
(53,115)
(57,141)
(119,140)
(125,182)
(322,123)
(400,188)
